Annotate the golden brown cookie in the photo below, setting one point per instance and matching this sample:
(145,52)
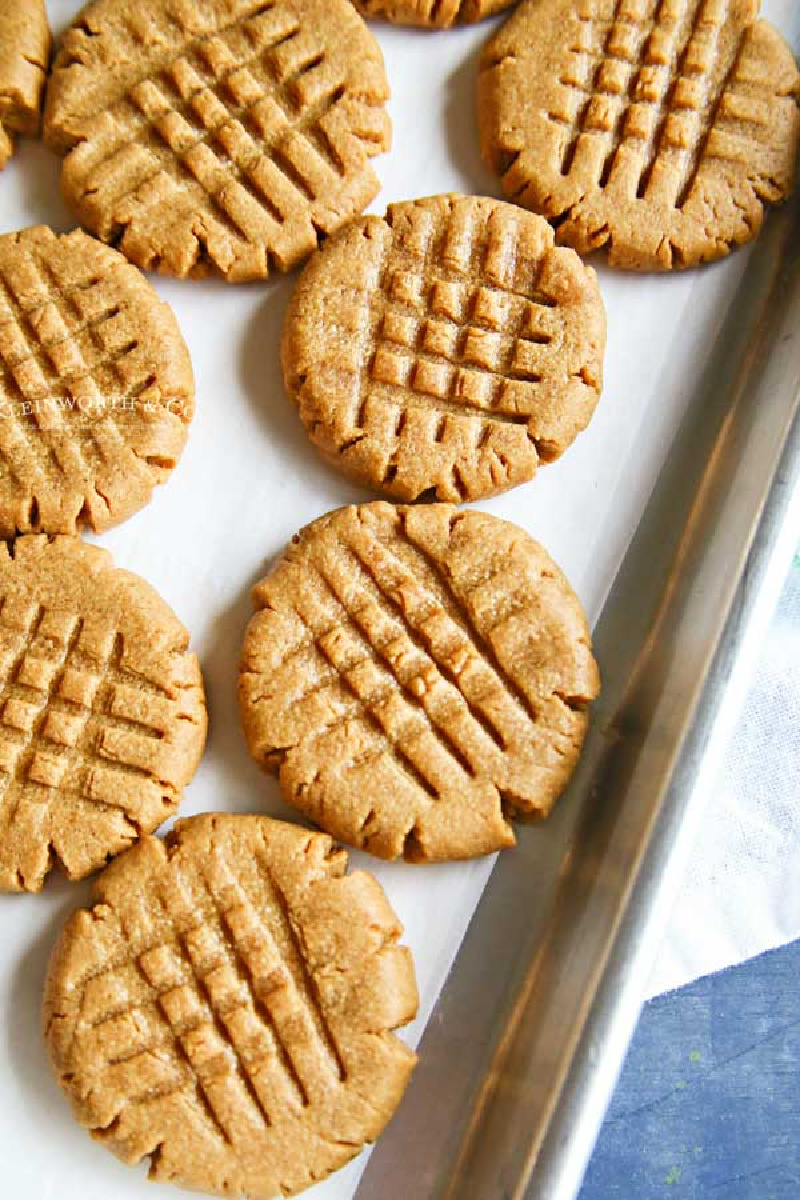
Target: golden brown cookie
(102,712)
(417,676)
(226,1007)
(96,386)
(24,56)
(218,138)
(656,128)
(444,349)
(431,14)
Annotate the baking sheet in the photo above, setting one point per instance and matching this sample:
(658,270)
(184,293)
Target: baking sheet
(249,478)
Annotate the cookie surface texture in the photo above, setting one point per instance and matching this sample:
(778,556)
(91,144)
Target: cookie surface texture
(24,57)
(96,385)
(444,349)
(226,1007)
(220,138)
(431,14)
(417,676)
(102,711)
(658,129)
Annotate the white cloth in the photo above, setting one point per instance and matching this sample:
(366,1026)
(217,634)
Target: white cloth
(741,891)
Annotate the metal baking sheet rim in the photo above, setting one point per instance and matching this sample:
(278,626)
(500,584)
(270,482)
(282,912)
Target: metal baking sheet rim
(520,1056)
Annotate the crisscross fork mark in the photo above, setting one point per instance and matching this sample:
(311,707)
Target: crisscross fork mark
(36,447)
(600,59)
(432,271)
(645,81)
(304,981)
(108,673)
(684,72)
(108,413)
(405,761)
(211,1014)
(201,945)
(160,71)
(185,976)
(239,160)
(258,952)
(598,52)
(461,334)
(403,625)
(186,1075)
(66,765)
(481,642)
(49,292)
(29,747)
(153,112)
(414,631)
(731,89)
(41,353)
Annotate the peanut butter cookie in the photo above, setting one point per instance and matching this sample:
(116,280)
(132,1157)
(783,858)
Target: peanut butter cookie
(417,677)
(226,1007)
(444,349)
(96,386)
(656,128)
(218,138)
(102,712)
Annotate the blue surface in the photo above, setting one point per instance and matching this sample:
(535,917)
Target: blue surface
(708,1105)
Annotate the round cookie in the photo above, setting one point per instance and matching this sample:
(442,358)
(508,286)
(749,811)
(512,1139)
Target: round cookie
(226,1007)
(417,676)
(24,57)
(431,14)
(102,712)
(96,387)
(658,129)
(218,138)
(445,348)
